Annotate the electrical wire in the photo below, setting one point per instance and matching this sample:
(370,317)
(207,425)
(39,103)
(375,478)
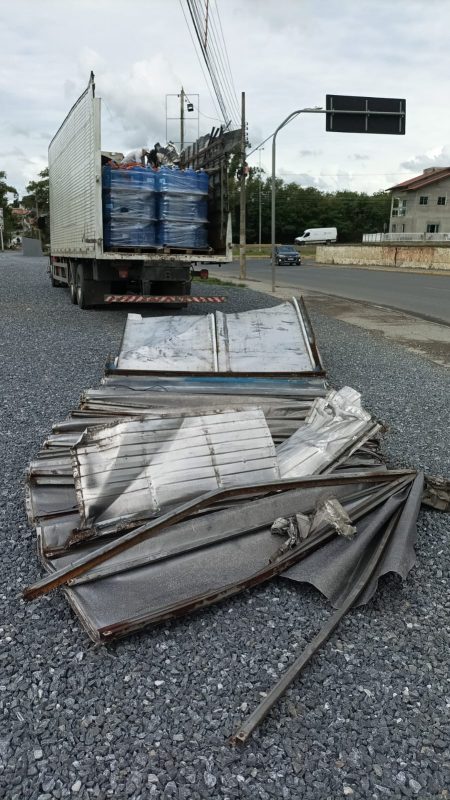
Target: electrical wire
(210,59)
(226,52)
(202,114)
(214,62)
(224,68)
(201,65)
(215,50)
(193,10)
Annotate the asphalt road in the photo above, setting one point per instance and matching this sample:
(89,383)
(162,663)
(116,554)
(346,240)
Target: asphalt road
(423,295)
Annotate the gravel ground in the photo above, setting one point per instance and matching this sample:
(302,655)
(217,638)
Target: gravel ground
(149,717)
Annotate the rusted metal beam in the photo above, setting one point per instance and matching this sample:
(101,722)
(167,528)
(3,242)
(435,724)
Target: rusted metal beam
(261,711)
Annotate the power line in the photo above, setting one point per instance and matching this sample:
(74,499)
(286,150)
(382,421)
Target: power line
(213,47)
(193,10)
(201,65)
(202,114)
(226,53)
(224,64)
(213,60)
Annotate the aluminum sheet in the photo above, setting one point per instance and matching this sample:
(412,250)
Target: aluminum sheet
(169,343)
(208,556)
(129,469)
(334,569)
(334,425)
(264,340)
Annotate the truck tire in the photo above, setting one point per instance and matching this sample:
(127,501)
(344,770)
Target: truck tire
(72,287)
(82,292)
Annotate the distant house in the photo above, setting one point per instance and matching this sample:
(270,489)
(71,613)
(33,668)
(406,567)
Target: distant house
(422,204)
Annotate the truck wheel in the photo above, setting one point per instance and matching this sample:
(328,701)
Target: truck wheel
(72,288)
(82,294)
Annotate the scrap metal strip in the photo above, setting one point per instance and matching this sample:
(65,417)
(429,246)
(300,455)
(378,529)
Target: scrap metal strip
(304,331)
(261,711)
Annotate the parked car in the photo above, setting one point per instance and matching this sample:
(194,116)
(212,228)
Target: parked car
(287,254)
(317,236)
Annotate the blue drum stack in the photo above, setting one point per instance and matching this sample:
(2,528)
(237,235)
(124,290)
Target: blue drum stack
(129,207)
(183,208)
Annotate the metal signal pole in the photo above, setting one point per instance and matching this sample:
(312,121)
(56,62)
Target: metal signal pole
(181,119)
(259,215)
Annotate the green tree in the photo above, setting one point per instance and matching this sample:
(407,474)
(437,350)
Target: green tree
(5,189)
(300,207)
(37,200)
(37,197)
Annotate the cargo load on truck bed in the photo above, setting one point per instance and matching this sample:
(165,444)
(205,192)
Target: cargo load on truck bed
(132,226)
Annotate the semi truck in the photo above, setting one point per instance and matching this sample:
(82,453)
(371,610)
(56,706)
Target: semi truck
(79,257)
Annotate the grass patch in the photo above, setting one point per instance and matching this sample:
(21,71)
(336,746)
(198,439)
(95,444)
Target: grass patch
(219,282)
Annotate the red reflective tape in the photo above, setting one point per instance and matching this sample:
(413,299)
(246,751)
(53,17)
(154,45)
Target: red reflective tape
(156,298)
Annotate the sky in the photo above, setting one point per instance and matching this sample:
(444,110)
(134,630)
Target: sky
(285,55)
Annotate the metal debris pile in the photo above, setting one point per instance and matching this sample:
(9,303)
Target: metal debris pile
(213,457)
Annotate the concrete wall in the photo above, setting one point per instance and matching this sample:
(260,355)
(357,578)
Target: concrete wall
(386,255)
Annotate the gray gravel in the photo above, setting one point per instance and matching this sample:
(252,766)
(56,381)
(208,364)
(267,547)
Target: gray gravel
(149,717)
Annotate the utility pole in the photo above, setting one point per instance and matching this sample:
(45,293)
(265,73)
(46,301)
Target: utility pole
(242,237)
(37,221)
(181,119)
(261,148)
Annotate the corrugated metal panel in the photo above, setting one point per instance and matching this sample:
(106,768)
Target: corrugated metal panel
(264,340)
(127,470)
(75,179)
(163,343)
(334,426)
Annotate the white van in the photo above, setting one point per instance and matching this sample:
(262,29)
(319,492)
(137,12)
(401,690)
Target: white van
(317,236)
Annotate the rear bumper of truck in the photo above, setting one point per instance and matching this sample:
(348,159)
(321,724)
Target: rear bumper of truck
(161,300)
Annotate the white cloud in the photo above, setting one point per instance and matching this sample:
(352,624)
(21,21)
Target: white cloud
(438,157)
(285,54)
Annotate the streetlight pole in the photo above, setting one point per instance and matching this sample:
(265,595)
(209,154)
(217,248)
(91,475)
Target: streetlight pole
(288,119)
(259,214)
(242,218)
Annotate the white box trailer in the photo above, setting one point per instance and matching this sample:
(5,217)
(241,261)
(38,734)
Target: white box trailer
(78,258)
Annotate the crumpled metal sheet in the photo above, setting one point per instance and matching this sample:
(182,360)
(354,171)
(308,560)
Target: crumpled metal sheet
(135,469)
(334,425)
(140,463)
(436,493)
(197,560)
(264,340)
(169,343)
(334,569)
